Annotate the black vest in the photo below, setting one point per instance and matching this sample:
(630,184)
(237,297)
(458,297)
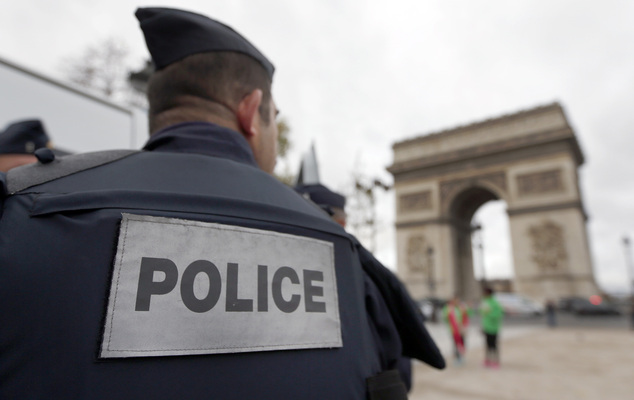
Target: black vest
(58,241)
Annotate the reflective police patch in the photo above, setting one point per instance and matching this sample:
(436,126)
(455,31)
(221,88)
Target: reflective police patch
(183,287)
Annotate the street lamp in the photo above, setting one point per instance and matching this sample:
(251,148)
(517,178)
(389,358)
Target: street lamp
(431,283)
(430,272)
(480,246)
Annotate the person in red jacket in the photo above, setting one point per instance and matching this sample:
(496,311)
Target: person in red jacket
(456,315)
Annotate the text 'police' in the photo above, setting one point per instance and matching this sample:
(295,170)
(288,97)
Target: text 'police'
(307,284)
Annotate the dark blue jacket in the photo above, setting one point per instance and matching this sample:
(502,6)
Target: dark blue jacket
(58,240)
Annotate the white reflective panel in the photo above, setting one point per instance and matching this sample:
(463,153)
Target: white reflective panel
(183,287)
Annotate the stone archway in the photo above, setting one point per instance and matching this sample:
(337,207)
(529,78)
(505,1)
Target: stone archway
(529,160)
(462,208)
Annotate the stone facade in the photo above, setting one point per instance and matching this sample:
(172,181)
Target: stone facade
(528,159)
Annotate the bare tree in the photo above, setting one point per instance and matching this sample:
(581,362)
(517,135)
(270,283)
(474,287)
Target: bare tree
(284,144)
(103,68)
(100,67)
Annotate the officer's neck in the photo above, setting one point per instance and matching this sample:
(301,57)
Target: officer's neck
(193,109)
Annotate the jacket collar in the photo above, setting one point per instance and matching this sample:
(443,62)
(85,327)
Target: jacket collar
(202,138)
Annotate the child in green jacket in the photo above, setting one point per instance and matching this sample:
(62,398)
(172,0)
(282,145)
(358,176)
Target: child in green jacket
(491,314)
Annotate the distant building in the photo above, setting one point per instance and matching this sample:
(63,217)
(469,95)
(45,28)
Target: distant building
(76,119)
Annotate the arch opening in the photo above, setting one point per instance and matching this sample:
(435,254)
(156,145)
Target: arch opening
(469,268)
(491,243)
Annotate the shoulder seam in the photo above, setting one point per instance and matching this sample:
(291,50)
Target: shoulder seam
(27,176)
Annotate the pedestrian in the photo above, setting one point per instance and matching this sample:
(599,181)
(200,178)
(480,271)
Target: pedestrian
(186,270)
(20,140)
(491,315)
(551,313)
(456,316)
(632,312)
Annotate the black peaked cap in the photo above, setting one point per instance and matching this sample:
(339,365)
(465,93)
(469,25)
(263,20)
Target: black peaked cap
(322,196)
(171,35)
(23,137)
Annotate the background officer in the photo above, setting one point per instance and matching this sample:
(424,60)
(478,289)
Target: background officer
(20,140)
(331,202)
(186,270)
(394,301)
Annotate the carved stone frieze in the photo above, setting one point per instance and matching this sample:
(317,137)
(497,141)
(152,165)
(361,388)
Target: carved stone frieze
(549,247)
(415,201)
(418,259)
(540,182)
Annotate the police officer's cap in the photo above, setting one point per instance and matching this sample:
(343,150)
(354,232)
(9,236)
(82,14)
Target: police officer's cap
(23,137)
(322,196)
(171,35)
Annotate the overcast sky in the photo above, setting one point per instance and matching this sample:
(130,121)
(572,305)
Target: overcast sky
(356,76)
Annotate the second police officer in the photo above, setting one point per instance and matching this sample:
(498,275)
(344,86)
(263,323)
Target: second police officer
(20,140)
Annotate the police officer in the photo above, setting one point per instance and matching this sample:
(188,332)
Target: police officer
(394,298)
(331,202)
(20,140)
(185,270)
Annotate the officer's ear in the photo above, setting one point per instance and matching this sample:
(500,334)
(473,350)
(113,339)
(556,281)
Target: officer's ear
(248,114)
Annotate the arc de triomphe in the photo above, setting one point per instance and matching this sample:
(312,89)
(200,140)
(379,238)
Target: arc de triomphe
(528,159)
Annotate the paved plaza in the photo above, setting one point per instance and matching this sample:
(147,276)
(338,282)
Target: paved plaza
(583,362)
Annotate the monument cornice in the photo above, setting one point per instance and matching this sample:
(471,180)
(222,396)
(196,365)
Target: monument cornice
(515,148)
(504,119)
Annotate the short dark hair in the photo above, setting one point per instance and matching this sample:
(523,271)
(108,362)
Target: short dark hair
(221,77)
(488,291)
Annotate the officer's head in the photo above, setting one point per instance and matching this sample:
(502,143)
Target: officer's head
(331,202)
(18,142)
(205,71)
